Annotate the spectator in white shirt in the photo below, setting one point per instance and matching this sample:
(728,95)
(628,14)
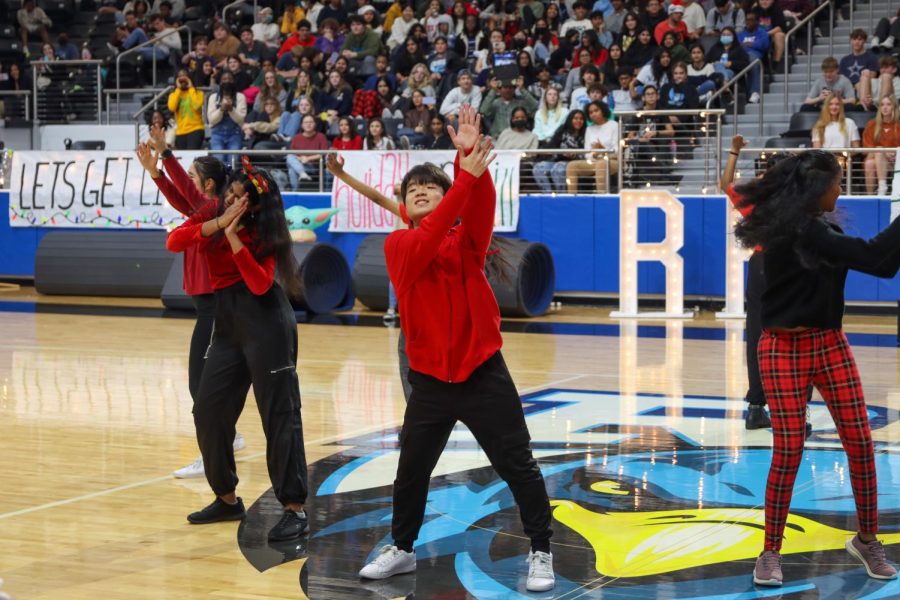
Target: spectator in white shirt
(579,22)
(602,134)
(400,28)
(551,113)
(464,93)
(266,30)
(33,21)
(833,129)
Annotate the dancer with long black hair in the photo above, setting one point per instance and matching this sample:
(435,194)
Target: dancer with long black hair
(252,270)
(188,193)
(806,259)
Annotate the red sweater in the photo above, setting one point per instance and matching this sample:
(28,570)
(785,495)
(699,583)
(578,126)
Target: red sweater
(184,197)
(355,143)
(225,267)
(447,308)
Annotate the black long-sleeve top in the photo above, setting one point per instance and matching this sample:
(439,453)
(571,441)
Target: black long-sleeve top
(802,296)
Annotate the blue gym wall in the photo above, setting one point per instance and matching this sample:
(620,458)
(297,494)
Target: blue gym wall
(582,233)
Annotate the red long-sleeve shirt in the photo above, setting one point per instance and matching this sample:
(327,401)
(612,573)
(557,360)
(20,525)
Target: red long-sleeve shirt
(226,268)
(447,308)
(184,197)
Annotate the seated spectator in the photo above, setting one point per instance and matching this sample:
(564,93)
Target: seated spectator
(872,90)
(377,138)
(419,79)
(334,11)
(727,56)
(16,81)
(518,136)
(406,58)
(361,46)
(609,72)
(266,30)
(443,64)
(694,19)
(543,82)
(289,122)
(33,21)
(631,28)
(126,34)
(700,73)
(382,70)
(177,8)
(679,94)
(305,167)
(755,43)
(223,44)
(886,32)
(242,79)
(265,67)
(336,98)
(371,19)
(197,60)
(725,13)
(465,92)
(169,44)
(499,105)
(860,61)
(303,88)
(437,138)
(648,138)
(186,103)
(589,76)
(673,24)
(655,73)
(401,26)
(551,113)
(625,97)
(416,122)
(302,38)
(615,18)
(288,66)
(591,43)
(226,111)
(771,19)
(881,132)
(640,52)
(291,18)
(545,42)
(550,169)
(653,14)
(271,89)
(264,123)
(601,134)
(65,49)
(159,120)
(598,28)
(676,49)
(833,129)
(347,138)
(251,52)
(829,82)
(388,99)
(574,79)
(165,11)
(579,20)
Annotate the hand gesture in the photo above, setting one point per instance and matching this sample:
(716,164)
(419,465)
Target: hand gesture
(158,139)
(737,142)
(231,218)
(335,164)
(477,162)
(148,159)
(469,128)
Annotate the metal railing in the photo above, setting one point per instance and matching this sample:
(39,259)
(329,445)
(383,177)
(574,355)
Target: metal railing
(26,103)
(232,5)
(117,92)
(49,70)
(871,4)
(809,34)
(735,82)
(151,42)
(152,103)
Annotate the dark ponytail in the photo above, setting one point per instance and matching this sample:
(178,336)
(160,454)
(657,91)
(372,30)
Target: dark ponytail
(211,168)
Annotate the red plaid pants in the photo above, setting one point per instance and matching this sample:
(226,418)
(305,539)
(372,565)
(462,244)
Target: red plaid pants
(788,363)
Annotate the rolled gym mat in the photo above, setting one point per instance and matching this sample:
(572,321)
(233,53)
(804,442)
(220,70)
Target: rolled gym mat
(370,277)
(528,293)
(325,275)
(532,279)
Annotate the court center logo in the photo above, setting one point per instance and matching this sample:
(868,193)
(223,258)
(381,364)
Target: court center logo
(652,496)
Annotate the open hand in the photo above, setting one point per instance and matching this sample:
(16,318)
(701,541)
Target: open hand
(476,163)
(469,128)
(148,159)
(158,138)
(335,164)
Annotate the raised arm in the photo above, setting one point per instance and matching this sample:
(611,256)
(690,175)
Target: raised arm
(149,159)
(479,213)
(879,256)
(181,180)
(335,164)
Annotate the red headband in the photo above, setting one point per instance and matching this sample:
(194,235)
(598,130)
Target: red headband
(259,182)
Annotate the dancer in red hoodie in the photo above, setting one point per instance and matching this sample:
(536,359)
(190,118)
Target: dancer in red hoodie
(188,193)
(452,324)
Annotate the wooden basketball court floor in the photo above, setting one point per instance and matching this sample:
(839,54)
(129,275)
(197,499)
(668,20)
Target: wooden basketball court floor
(657,488)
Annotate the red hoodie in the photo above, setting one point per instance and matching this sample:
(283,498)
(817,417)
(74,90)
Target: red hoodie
(184,197)
(447,308)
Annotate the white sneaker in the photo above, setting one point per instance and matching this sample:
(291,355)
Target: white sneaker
(882,189)
(390,561)
(2,595)
(540,572)
(888,42)
(195,469)
(875,42)
(754,98)
(239,443)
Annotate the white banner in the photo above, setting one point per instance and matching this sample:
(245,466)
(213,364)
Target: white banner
(87,189)
(382,170)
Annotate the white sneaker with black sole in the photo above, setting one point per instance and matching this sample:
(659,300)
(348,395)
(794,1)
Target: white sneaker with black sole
(195,469)
(540,572)
(390,561)
(754,98)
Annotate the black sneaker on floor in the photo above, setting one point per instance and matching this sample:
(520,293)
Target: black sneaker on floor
(291,525)
(219,510)
(757,417)
(808,430)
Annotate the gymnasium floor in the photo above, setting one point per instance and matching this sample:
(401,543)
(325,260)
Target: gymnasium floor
(657,488)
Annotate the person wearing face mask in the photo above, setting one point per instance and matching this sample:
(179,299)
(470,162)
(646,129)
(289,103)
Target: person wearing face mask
(728,57)
(265,29)
(519,135)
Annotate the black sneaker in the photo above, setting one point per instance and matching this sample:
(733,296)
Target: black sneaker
(757,417)
(291,525)
(219,510)
(808,430)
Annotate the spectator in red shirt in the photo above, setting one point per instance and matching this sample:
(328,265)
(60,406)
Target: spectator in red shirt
(302,38)
(673,23)
(305,167)
(347,138)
